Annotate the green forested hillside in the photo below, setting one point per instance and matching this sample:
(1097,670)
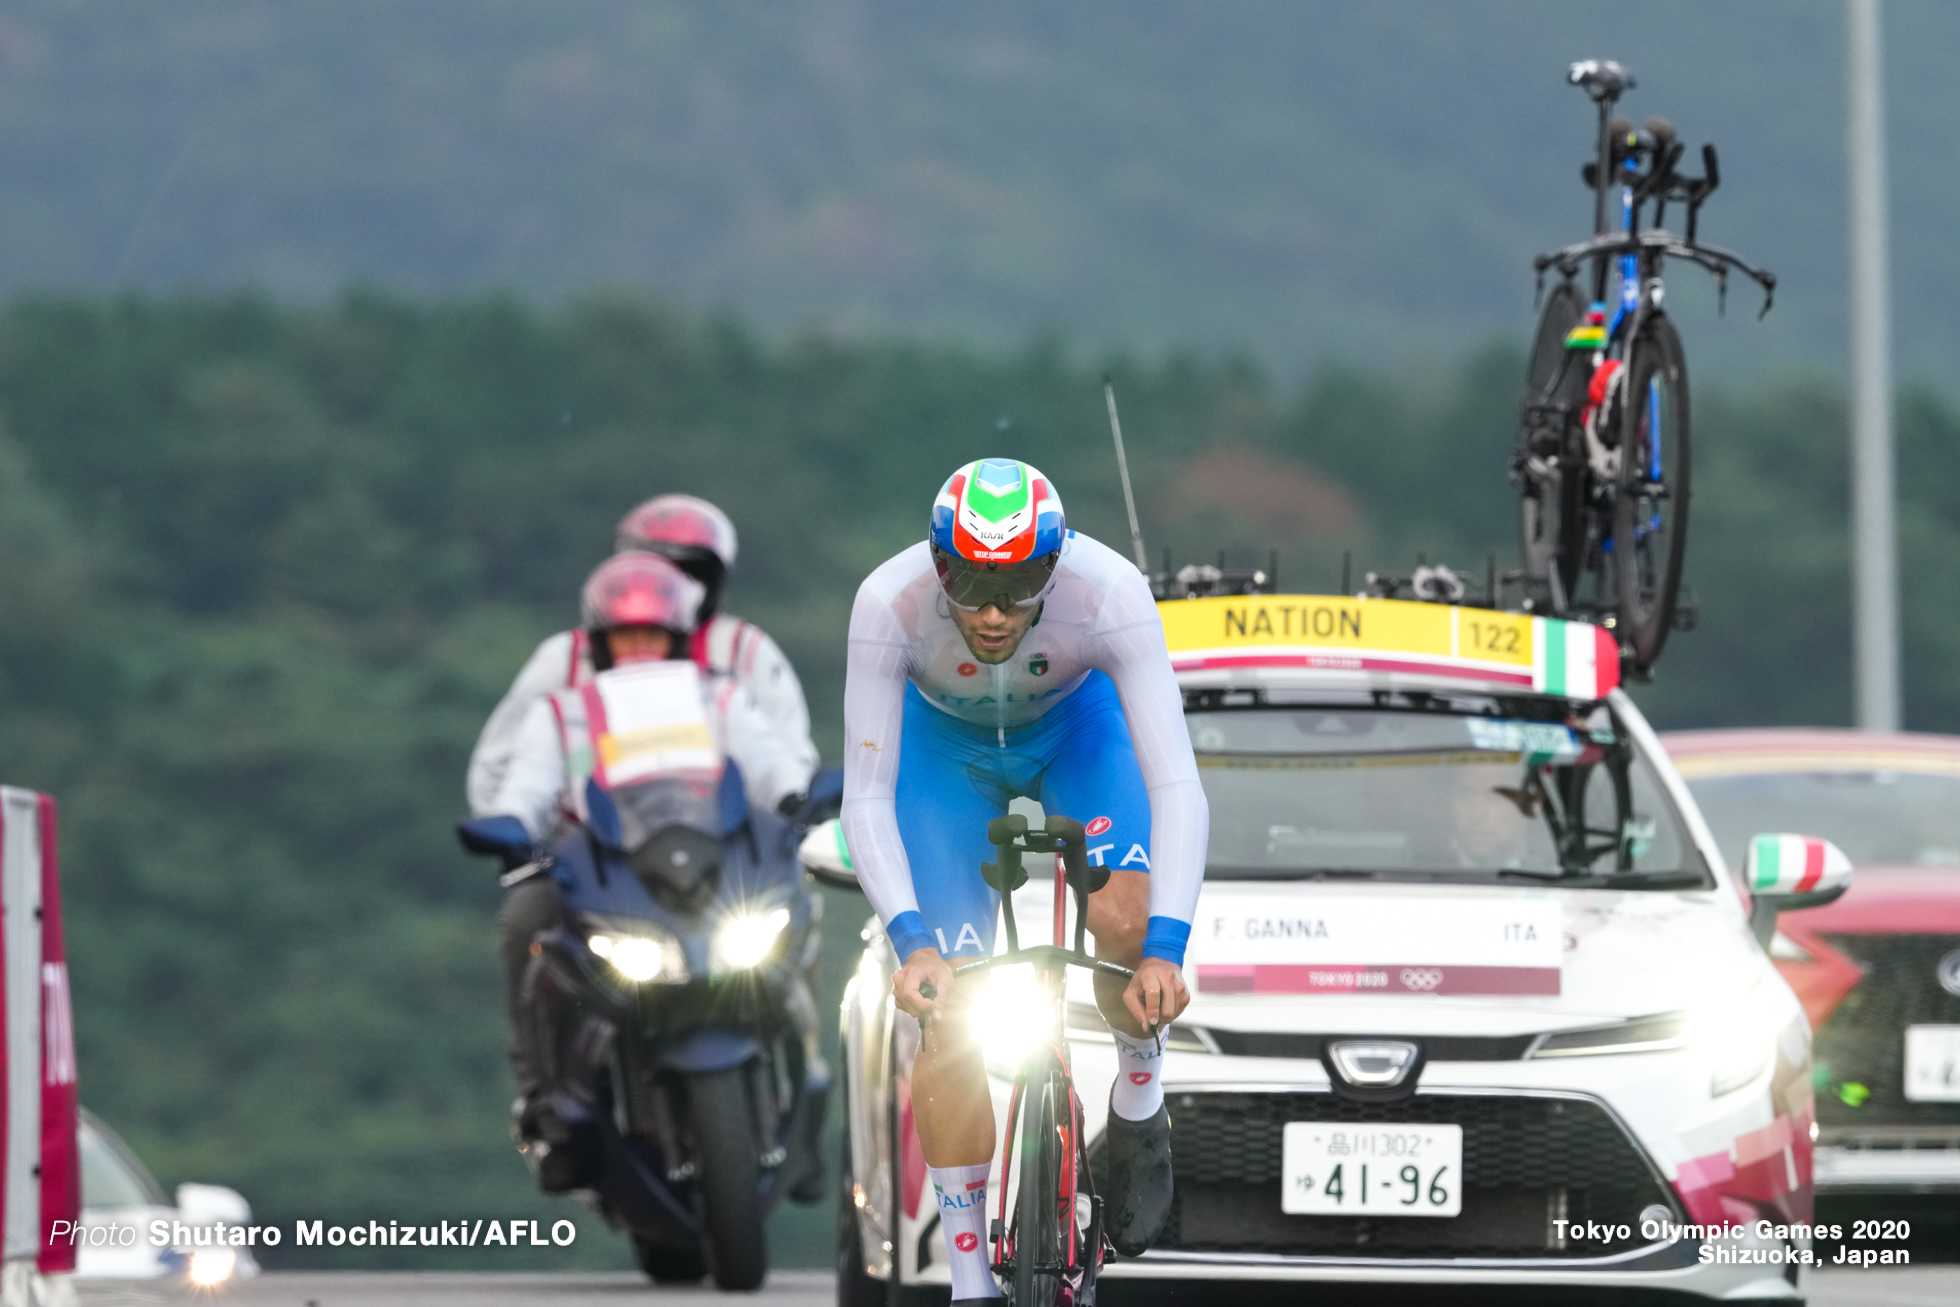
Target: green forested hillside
(264,570)
(1307,179)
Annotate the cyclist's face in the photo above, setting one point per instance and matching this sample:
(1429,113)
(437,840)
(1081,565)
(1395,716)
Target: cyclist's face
(993,634)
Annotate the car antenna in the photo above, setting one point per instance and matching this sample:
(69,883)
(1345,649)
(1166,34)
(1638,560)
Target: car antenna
(1123,467)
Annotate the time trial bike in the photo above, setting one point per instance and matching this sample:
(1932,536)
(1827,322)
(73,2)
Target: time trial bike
(1602,464)
(1048,1250)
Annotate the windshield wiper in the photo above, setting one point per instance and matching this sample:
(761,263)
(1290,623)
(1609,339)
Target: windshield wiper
(1289,873)
(1613,879)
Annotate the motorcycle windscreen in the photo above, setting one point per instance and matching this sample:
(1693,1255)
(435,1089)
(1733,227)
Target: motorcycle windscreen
(656,758)
(670,831)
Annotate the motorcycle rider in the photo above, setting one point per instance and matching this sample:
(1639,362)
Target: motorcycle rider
(637,608)
(1006,655)
(699,539)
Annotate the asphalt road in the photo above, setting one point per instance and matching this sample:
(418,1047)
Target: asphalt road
(1918,1286)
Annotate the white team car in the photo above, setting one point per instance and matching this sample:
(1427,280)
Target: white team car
(1476,999)
(121,1201)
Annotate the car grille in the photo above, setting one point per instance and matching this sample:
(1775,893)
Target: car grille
(1864,1041)
(1435,1048)
(1527,1161)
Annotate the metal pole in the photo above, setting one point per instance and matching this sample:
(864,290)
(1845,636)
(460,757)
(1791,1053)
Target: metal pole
(1874,540)
(1123,468)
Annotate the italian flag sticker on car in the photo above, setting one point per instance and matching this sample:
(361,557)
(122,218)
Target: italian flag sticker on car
(1573,659)
(1788,863)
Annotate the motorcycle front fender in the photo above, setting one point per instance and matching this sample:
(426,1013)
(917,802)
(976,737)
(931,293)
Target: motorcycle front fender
(710,1050)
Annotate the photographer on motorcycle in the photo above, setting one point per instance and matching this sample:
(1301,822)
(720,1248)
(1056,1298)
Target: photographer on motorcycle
(699,539)
(637,608)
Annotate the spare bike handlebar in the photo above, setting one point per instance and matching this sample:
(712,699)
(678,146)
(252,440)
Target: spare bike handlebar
(1711,257)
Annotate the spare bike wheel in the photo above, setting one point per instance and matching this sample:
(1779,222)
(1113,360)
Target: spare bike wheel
(1551,529)
(1650,515)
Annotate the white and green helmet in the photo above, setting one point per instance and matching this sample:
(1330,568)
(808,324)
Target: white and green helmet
(996,534)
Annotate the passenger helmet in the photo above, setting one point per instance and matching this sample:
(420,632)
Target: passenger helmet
(996,535)
(692,532)
(638,589)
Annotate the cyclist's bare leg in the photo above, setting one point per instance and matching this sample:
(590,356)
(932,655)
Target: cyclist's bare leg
(950,1102)
(1119,914)
(1119,917)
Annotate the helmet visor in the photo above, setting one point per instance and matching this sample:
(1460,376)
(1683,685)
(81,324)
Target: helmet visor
(972,586)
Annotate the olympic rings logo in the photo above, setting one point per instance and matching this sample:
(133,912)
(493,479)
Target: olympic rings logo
(1421,978)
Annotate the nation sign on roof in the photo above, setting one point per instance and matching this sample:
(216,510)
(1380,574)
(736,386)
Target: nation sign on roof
(1390,639)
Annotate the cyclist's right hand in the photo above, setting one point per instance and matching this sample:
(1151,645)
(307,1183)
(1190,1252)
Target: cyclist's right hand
(923,968)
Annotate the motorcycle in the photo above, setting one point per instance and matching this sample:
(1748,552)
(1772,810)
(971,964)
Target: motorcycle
(685,1095)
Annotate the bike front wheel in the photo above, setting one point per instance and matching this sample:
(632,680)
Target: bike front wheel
(1054,1262)
(1650,515)
(1551,526)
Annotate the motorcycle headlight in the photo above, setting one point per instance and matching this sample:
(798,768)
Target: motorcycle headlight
(640,953)
(745,938)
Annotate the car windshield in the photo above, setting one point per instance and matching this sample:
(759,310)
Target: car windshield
(1896,818)
(111,1176)
(1424,787)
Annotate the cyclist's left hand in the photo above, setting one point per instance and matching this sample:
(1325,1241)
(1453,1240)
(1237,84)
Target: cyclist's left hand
(1156,995)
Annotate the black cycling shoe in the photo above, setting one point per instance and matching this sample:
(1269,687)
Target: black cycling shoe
(1136,1182)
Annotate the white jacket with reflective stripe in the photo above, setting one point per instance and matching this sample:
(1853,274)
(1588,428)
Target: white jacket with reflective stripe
(733,648)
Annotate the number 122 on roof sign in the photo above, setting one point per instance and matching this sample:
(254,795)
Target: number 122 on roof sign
(1390,638)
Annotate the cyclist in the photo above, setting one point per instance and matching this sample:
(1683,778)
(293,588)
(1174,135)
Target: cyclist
(636,608)
(1005,656)
(699,539)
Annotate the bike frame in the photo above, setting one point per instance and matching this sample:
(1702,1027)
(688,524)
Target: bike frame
(1621,191)
(1047,1069)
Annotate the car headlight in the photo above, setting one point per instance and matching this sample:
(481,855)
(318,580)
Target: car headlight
(640,952)
(744,939)
(1652,1034)
(212,1266)
(1012,1015)
(1739,1038)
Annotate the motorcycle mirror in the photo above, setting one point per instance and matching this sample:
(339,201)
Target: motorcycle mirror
(827,859)
(826,793)
(501,836)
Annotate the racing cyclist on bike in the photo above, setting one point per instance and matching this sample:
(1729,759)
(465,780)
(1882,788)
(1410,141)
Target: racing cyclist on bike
(1005,656)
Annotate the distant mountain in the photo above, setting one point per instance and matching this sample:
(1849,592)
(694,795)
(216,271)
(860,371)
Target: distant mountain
(1302,180)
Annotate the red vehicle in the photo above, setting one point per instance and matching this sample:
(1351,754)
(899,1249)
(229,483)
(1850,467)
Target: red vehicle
(1878,971)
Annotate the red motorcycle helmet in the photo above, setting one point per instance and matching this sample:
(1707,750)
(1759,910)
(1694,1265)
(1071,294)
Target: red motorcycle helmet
(691,532)
(638,589)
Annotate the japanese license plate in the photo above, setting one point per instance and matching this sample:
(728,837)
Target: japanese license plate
(1933,1064)
(1371,1170)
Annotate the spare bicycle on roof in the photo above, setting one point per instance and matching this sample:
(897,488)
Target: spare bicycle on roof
(1602,464)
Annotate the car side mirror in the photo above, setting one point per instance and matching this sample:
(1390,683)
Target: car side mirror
(824,855)
(1785,873)
(207,1204)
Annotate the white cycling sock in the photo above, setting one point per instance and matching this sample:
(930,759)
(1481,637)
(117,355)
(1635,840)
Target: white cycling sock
(961,1192)
(1139,1088)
